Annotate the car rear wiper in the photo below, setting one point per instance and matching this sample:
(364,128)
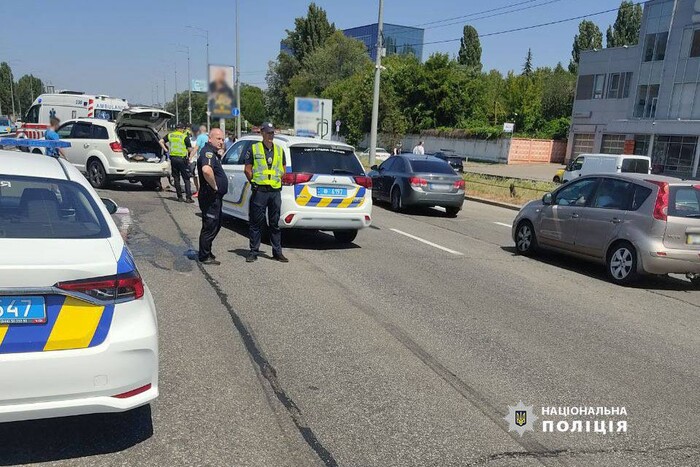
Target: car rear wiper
(343,171)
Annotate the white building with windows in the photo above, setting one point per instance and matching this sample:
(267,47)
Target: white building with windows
(645,99)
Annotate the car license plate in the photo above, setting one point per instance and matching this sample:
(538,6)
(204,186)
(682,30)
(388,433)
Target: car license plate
(329,191)
(439,187)
(692,239)
(22,310)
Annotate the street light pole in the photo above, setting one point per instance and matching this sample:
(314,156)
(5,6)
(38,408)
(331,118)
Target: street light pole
(177,110)
(377,80)
(205,31)
(238,79)
(12,94)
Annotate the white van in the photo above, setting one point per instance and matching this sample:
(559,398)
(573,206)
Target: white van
(67,105)
(586,164)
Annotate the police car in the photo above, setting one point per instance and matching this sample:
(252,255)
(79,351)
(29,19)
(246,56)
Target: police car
(78,331)
(324,188)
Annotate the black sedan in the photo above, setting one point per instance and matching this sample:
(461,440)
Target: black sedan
(413,180)
(455,160)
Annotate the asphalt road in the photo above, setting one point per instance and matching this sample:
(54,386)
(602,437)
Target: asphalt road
(391,352)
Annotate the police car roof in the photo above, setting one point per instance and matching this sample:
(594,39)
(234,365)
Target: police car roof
(32,165)
(302,141)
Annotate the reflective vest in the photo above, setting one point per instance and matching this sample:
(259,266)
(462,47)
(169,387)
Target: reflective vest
(264,173)
(177,144)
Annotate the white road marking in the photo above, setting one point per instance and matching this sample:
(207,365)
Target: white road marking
(427,242)
(503,224)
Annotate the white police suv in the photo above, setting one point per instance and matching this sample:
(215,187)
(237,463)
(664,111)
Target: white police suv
(324,188)
(78,327)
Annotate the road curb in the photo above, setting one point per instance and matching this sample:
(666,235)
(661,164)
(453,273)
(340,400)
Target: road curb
(513,207)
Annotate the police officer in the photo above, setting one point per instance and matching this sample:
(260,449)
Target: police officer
(179,161)
(264,167)
(213,185)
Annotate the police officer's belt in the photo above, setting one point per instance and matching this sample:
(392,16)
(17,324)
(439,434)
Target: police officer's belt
(263,188)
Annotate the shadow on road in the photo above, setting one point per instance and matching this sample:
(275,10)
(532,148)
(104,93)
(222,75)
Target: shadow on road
(597,271)
(72,437)
(415,210)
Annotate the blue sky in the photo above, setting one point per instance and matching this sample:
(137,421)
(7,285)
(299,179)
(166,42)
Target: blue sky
(123,48)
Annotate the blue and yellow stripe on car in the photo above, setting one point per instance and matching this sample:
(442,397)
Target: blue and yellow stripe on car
(70,324)
(303,197)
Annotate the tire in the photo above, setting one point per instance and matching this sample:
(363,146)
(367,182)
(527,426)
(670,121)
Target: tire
(452,211)
(695,281)
(621,263)
(96,174)
(150,183)
(525,239)
(345,236)
(396,202)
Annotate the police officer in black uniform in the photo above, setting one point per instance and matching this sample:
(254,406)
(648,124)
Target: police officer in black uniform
(213,185)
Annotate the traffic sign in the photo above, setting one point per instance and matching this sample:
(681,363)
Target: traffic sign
(235,111)
(508,127)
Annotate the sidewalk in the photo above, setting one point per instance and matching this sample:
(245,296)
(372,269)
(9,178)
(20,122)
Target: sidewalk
(529,171)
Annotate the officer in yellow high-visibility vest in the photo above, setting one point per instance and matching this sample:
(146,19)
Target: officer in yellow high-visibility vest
(264,168)
(179,151)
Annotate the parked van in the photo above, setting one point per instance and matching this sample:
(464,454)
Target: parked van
(67,105)
(586,164)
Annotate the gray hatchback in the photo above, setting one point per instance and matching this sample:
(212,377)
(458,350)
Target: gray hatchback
(633,223)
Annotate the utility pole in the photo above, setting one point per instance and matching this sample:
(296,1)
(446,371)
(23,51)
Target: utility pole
(238,79)
(207,70)
(165,94)
(12,94)
(377,79)
(189,87)
(177,110)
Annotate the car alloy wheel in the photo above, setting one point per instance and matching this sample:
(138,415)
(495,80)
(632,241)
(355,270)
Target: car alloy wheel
(525,241)
(622,263)
(96,174)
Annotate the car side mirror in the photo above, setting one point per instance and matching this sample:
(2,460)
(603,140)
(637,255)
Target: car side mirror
(547,199)
(110,205)
(374,167)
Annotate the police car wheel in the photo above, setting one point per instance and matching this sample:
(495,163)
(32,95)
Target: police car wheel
(96,174)
(345,236)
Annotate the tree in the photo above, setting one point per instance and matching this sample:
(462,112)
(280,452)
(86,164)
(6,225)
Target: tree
(199,107)
(557,92)
(470,48)
(588,37)
(29,87)
(253,104)
(5,98)
(339,58)
(625,30)
(310,32)
(527,67)
(279,75)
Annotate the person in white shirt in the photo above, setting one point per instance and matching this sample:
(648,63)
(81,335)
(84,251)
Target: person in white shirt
(419,149)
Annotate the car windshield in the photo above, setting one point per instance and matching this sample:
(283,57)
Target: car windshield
(325,160)
(434,167)
(684,202)
(40,208)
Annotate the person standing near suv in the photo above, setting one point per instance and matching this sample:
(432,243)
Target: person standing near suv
(179,161)
(51,135)
(264,167)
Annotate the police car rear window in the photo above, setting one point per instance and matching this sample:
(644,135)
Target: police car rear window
(40,208)
(325,160)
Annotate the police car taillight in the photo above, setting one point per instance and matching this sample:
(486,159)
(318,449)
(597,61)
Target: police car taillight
(296,178)
(364,181)
(121,287)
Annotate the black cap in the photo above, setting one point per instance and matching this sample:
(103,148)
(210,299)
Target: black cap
(180,125)
(267,127)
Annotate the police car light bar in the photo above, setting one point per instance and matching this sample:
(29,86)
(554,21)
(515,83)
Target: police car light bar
(34,143)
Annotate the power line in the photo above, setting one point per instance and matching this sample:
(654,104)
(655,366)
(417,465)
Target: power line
(524,28)
(494,14)
(478,13)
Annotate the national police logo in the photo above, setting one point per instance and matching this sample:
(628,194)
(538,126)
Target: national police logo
(521,418)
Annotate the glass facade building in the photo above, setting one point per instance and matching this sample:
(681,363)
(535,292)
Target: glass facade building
(397,39)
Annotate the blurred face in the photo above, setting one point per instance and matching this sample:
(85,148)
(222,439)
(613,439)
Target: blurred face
(216,138)
(202,129)
(220,76)
(268,137)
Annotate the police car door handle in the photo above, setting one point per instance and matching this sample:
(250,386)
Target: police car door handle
(616,220)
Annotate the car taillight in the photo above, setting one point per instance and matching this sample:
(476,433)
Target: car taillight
(364,181)
(459,184)
(661,205)
(294,178)
(116,146)
(122,287)
(418,182)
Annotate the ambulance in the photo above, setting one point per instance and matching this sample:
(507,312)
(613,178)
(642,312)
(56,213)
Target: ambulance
(67,105)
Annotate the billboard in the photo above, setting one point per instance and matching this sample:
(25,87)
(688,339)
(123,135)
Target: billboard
(313,117)
(199,85)
(221,96)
